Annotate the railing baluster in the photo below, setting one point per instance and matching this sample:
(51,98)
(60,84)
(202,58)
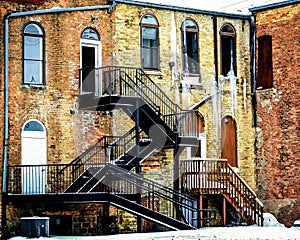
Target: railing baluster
(215,176)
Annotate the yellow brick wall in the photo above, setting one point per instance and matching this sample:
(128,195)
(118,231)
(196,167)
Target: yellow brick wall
(127,52)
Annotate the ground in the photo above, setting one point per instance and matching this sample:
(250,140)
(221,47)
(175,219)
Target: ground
(220,233)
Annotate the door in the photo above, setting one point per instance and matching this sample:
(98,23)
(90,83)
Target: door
(229,142)
(88,66)
(90,58)
(34,157)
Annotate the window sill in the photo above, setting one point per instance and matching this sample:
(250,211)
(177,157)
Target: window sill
(153,72)
(34,87)
(259,89)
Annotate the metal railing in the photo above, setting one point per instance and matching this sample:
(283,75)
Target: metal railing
(56,178)
(216,176)
(154,196)
(134,82)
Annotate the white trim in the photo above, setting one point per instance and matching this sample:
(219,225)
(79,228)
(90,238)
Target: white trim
(97,45)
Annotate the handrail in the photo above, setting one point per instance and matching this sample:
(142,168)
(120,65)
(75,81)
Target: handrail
(151,191)
(116,145)
(134,82)
(216,176)
(121,146)
(50,179)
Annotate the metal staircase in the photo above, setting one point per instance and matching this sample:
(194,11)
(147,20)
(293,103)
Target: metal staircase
(131,90)
(105,171)
(217,177)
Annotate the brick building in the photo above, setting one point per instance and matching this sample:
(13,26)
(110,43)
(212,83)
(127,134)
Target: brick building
(277,91)
(196,59)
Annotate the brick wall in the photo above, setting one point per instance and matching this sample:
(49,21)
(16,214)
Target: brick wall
(69,134)
(51,104)
(127,46)
(278,114)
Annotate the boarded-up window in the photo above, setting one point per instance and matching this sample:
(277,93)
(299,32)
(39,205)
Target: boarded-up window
(264,66)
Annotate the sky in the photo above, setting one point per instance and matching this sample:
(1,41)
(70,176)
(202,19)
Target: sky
(227,6)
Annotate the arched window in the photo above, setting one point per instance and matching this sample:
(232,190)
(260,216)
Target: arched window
(33,54)
(90,33)
(149,42)
(189,31)
(228,50)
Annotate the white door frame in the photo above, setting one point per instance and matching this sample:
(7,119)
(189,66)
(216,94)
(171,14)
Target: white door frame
(97,45)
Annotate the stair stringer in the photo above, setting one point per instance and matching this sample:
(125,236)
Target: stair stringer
(147,213)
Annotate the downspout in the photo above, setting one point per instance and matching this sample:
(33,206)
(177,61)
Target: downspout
(6,134)
(215,29)
(253,69)
(6,89)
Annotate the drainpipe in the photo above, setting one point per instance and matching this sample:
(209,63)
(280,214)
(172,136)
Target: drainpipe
(6,134)
(215,29)
(253,68)
(6,89)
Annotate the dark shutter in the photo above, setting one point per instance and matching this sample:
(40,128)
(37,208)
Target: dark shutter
(264,68)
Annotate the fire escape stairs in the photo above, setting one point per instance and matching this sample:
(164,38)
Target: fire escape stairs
(104,172)
(150,119)
(125,191)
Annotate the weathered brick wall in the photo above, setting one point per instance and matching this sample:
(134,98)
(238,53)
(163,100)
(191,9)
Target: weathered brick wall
(127,51)
(51,104)
(278,112)
(69,219)
(67,133)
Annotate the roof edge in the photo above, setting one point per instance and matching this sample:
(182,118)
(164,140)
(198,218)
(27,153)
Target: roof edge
(273,5)
(184,9)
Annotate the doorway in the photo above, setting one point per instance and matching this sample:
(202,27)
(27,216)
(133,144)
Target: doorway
(90,58)
(229,141)
(34,157)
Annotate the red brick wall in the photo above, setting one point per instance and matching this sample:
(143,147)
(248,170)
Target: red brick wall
(51,104)
(278,111)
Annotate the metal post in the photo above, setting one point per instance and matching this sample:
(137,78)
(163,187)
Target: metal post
(176,174)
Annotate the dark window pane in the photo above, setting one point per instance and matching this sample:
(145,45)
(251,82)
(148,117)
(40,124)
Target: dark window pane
(190,47)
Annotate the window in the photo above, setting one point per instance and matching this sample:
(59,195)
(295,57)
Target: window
(149,42)
(189,31)
(33,54)
(264,66)
(228,50)
(90,33)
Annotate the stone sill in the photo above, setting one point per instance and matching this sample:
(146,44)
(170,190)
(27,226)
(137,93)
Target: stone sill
(34,87)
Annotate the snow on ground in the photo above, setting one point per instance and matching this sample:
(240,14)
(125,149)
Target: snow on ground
(220,233)
(272,230)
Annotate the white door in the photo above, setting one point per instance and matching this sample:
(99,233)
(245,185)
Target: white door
(34,152)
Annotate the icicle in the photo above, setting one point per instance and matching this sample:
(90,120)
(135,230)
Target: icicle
(233,92)
(186,90)
(177,93)
(186,66)
(173,38)
(216,100)
(233,88)
(245,94)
